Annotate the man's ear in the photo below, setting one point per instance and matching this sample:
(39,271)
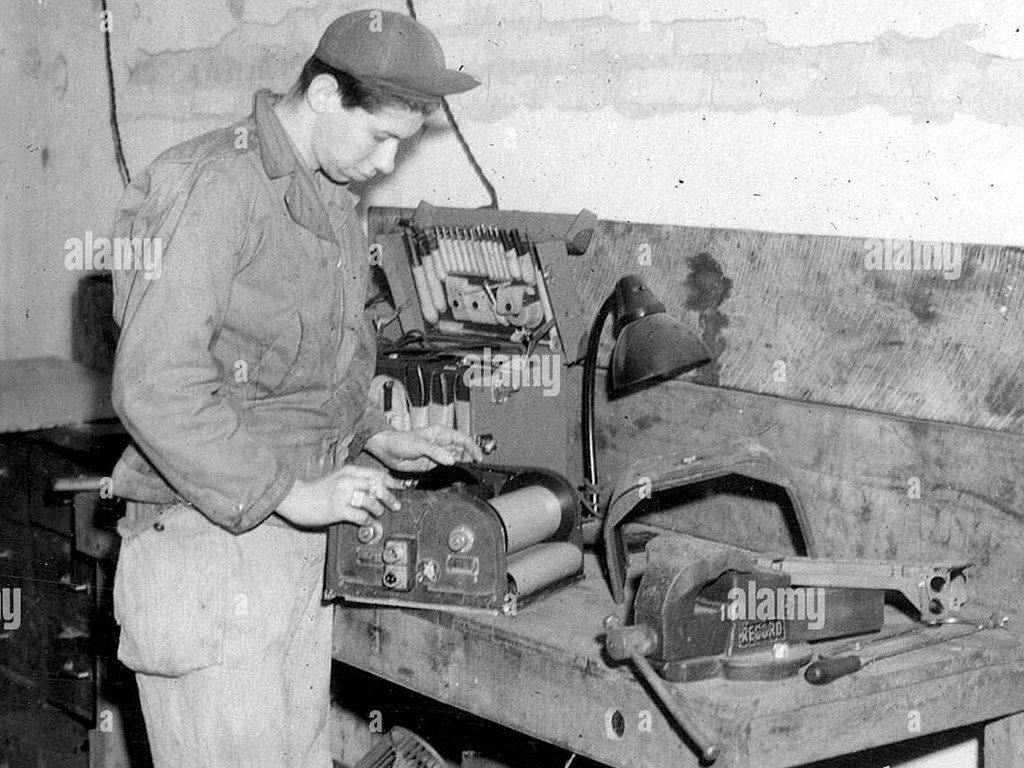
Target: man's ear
(322,94)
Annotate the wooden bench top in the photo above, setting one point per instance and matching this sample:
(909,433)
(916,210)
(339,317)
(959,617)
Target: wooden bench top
(544,673)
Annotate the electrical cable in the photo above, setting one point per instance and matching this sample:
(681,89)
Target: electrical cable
(122,165)
(415,341)
(491,192)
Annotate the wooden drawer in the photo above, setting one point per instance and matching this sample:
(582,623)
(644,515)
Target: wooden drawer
(47,509)
(67,614)
(70,679)
(13,482)
(63,582)
(57,567)
(63,588)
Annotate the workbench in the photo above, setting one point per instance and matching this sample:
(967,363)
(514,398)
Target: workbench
(544,673)
(904,446)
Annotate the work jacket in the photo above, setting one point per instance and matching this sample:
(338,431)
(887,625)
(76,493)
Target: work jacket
(244,360)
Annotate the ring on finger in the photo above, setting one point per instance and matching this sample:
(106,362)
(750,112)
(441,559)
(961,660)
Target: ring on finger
(358,497)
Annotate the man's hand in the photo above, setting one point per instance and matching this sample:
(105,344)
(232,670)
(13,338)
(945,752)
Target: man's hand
(422,449)
(351,494)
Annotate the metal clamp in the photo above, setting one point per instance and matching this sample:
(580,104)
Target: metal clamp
(746,458)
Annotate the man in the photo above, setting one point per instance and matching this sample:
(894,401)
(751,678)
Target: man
(241,376)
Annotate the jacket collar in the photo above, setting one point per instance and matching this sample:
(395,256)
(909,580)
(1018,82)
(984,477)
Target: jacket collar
(277,152)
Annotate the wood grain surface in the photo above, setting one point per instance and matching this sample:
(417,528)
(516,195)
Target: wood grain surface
(858,474)
(544,673)
(906,343)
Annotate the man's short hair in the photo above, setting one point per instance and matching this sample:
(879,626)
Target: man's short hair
(357,94)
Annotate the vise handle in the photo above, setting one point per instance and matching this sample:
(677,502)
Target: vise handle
(632,642)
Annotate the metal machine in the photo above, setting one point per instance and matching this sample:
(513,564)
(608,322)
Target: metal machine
(469,538)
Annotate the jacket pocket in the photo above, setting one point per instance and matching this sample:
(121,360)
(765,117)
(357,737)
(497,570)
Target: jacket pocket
(169,595)
(280,358)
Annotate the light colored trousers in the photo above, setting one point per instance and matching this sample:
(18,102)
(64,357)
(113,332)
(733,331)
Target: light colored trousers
(229,639)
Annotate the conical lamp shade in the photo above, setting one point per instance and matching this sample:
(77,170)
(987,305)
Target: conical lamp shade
(654,347)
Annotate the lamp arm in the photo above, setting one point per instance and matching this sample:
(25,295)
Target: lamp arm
(587,415)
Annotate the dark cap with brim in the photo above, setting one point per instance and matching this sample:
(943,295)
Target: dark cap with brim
(391,51)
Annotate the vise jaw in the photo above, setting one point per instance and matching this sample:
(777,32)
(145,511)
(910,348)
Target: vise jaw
(719,614)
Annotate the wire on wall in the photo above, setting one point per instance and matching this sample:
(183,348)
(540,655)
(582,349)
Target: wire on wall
(122,166)
(462,139)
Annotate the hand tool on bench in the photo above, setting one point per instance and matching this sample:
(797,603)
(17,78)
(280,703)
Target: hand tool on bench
(915,629)
(704,609)
(715,609)
(826,670)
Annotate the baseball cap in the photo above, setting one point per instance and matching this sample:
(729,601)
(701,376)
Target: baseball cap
(392,51)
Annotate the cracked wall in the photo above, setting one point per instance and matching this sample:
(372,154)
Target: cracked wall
(868,120)
(59,176)
(759,115)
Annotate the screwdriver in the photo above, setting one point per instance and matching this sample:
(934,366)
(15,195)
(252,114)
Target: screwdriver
(432,277)
(419,276)
(510,258)
(525,259)
(825,671)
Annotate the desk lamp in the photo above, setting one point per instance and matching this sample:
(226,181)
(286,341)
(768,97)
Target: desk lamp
(649,345)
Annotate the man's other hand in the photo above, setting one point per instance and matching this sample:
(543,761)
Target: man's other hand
(419,450)
(351,494)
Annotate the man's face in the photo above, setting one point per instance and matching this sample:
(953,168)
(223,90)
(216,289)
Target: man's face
(356,145)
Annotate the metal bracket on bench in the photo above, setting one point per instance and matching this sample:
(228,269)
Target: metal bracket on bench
(644,478)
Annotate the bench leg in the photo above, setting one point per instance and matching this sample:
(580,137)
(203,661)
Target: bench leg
(1004,743)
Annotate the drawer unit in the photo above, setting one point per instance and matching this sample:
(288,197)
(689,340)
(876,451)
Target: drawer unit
(58,567)
(63,581)
(54,557)
(58,425)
